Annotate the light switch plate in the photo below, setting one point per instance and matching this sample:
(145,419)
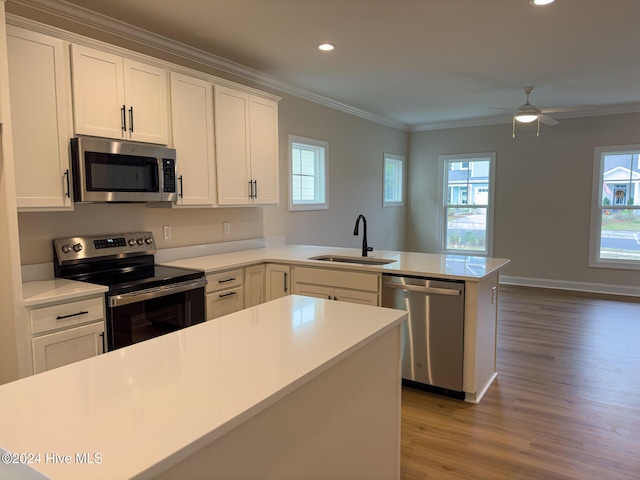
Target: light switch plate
(226,228)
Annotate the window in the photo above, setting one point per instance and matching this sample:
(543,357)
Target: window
(466,203)
(615,209)
(393,181)
(308,178)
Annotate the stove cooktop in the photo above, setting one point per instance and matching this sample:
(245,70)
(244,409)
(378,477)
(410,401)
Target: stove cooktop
(122,262)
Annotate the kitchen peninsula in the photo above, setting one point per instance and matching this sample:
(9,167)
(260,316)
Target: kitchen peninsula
(294,388)
(362,283)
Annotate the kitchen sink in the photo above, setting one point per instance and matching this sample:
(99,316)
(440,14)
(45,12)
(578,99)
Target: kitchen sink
(356,260)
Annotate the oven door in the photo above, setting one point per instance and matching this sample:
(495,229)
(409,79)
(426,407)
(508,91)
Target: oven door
(138,316)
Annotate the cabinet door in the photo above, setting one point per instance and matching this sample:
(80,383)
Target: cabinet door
(98,93)
(224,302)
(232,145)
(353,296)
(40,118)
(313,291)
(263,135)
(254,285)
(145,88)
(192,127)
(68,346)
(277,281)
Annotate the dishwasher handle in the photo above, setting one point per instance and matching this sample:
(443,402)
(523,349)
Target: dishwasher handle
(415,288)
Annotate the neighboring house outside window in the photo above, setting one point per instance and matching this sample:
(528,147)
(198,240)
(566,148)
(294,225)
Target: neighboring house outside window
(467,203)
(308,163)
(393,180)
(615,212)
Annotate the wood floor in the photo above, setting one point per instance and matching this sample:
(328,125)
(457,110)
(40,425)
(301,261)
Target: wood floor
(565,405)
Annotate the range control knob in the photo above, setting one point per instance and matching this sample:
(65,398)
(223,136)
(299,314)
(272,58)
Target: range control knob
(140,241)
(77,247)
(66,248)
(148,240)
(132,242)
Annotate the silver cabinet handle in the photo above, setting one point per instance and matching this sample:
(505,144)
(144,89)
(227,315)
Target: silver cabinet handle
(415,288)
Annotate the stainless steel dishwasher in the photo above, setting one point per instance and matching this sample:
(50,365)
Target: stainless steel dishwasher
(433,336)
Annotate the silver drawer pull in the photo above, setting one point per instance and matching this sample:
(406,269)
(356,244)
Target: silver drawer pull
(62,317)
(222,295)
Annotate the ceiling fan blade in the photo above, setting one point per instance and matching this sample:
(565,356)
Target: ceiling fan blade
(548,120)
(567,109)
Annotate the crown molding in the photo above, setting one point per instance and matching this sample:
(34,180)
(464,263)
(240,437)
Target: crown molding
(96,21)
(615,109)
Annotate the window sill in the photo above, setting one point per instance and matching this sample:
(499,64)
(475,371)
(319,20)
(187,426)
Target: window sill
(311,207)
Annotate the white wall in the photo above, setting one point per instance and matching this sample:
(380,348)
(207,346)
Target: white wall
(356,148)
(542,195)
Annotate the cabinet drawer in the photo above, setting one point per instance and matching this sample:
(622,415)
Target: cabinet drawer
(224,302)
(224,280)
(66,315)
(337,278)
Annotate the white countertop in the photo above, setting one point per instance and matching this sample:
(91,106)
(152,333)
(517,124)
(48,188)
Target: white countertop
(145,407)
(457,267)
(41,292)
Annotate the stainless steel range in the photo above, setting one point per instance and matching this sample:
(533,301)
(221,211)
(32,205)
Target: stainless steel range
(144,300)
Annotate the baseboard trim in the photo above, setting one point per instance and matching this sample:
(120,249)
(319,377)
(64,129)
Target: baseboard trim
(602,288)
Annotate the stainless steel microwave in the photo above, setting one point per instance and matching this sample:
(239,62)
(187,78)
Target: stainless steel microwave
(107,170)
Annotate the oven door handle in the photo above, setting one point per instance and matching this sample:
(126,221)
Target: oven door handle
(156,292)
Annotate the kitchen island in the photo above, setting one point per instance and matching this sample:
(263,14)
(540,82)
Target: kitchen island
(294,388)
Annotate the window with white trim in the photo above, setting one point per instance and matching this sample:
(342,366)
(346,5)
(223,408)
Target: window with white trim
(308,162)
(615,208)
(466,203)
(393,181)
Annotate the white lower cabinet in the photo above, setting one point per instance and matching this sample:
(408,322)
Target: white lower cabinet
(67,332)
(341,285)
(67,346)
(225,293)
(254,285)
(277,280)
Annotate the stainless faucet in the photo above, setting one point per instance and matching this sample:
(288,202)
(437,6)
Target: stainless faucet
(365,247)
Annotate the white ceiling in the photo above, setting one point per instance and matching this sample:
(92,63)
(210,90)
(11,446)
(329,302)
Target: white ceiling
(418,63)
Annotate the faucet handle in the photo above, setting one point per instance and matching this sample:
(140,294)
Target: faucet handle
(369,249)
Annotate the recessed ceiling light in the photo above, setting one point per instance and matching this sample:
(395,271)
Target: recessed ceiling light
(541,2)
(326,47)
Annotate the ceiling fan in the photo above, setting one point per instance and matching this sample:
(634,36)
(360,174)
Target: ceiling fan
(528,113)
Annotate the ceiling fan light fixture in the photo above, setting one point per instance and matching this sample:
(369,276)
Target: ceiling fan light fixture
(526,117)
(541,2)
(326,47)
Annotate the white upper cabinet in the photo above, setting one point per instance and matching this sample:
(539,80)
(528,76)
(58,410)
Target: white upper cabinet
(118,98)
(193,139)
(246,148)
(263,134)
(232,146)
(40,114)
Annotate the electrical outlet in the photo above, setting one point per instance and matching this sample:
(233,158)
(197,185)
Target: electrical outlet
(226,228)
(494,295)
(166,232)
